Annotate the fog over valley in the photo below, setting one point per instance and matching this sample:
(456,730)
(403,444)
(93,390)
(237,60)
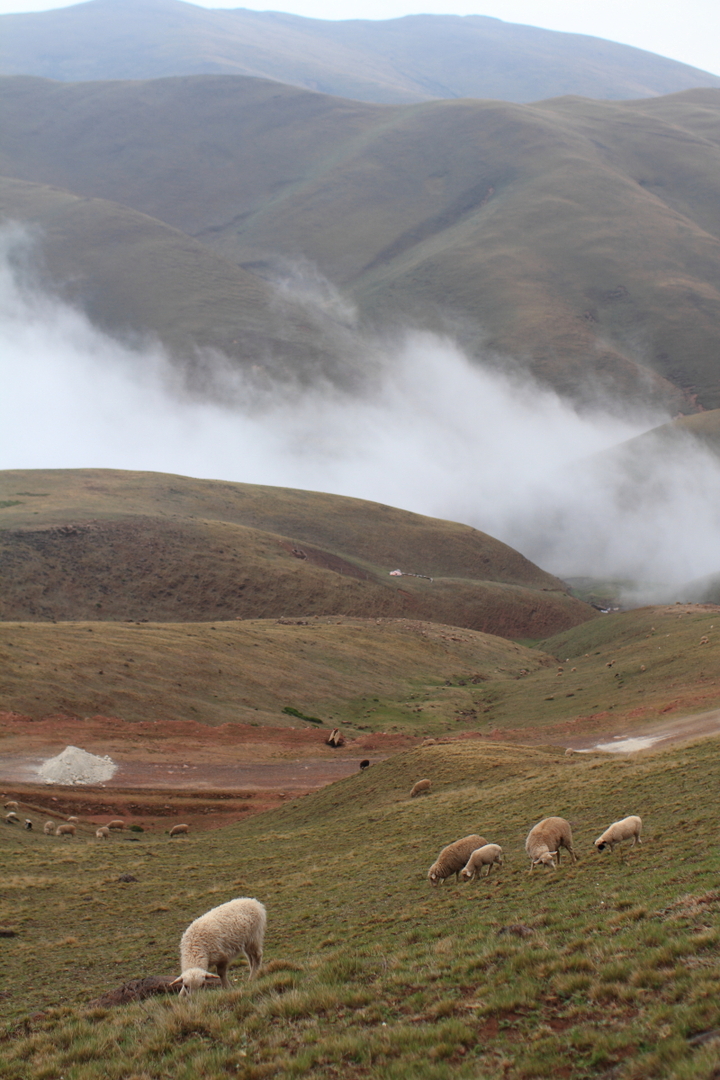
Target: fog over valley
(425,429)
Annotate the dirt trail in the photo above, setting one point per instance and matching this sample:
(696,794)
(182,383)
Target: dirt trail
(631,739)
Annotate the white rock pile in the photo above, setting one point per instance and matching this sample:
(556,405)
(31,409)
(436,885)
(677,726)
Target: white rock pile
(76,766)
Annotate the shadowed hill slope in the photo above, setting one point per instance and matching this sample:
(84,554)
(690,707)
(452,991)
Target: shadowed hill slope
(120,545)
(393,60)
(582,237)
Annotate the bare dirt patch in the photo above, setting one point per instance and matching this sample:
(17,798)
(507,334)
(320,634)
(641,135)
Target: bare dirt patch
(209,775)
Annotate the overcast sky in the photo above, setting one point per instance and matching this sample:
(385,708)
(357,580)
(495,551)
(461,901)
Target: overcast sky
(686,30)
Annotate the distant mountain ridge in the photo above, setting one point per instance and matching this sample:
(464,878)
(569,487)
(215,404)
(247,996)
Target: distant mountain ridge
(580,237)
(415,58)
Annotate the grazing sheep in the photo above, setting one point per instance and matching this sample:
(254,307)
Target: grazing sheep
(28,823)
(484,856)
(569,752)
(421,788)
(102,833)
(178,830)
(12,805)
(116,823)
(11,818)
(545,840)
(364,763)
(452,858)
(628,828)
(49,828)
(216,938)
(73,820)
(65,830)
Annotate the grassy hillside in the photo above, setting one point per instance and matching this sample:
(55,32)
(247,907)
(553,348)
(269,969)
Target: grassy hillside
(393,60)
(372,674)
(144,282)
(618,672)
(605,968)
(582,237)
(95,543)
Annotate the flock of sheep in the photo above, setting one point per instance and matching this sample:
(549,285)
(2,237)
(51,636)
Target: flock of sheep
(466,857)
(221,934)
(67,827)
(216,938)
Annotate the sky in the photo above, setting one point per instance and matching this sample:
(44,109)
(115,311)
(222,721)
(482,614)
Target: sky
(685,30)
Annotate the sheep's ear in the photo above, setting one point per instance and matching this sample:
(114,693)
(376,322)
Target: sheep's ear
(210,980)
(177,983)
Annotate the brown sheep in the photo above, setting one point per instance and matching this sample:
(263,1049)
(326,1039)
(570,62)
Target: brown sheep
(180,830)
(545,840)
(422,787)
(453,858)
(65,830)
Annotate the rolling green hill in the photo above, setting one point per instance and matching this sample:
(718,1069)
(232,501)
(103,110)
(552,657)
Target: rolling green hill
(607,967)
(393,60)
(581,237)
(111,545)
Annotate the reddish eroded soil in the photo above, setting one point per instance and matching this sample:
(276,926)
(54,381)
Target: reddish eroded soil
(170,771)
(206,776)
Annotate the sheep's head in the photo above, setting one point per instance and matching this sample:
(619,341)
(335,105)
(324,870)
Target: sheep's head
(194,979)
(433,877)
(546,859)
(600,845)
(465,873)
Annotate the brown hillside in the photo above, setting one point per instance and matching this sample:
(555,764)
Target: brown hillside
(376,674)
(119,545)
(580,236)
(142,280)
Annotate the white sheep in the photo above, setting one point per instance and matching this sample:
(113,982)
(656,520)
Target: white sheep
(73,820)
(216,938)
(11,818)
(116,823)
(452,858)
(422,787)
(489,855)
(49,828)
(569,752)
(179,830)
(627,828)
(102,833)
(65,830)
(28,824)
(11,804)
(545,840)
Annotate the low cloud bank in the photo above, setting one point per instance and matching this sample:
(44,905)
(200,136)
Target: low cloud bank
(427,430)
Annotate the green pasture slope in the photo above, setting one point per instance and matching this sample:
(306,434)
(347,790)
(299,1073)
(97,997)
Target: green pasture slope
(606,968)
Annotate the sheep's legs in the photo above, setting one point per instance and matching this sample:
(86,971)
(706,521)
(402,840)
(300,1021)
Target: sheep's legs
(222,967)
(254,959)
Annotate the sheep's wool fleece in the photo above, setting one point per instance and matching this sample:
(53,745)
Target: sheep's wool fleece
(76,766)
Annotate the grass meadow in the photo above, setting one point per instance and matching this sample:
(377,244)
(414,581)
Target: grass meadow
(605,968)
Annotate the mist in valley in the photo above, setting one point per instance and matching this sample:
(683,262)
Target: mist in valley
(425,429)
